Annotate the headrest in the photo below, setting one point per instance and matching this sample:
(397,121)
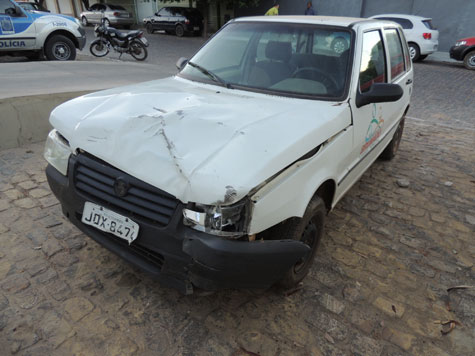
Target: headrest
(279,51)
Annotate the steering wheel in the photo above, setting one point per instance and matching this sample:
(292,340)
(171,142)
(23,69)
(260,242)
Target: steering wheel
(318,75)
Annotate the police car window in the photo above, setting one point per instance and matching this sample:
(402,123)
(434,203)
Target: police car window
(373,61)
(5,5)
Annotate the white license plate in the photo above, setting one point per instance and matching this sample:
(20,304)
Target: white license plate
(196,28)
(144,41)
(109,221)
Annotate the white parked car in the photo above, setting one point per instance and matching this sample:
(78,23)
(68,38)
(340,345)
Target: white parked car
(422,37)
(222,175)
(114,15)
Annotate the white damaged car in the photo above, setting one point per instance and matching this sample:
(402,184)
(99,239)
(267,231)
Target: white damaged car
(222,175)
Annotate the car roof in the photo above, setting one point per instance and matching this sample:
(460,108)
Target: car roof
(403,16)
(317,20)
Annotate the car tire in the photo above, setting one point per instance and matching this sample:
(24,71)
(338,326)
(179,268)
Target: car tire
(469,60)
(138,50)
(390,151)
(308,229)
(149,28)
(99,48)
(339,45)
(179,31)
(414,52)
(60,48)
(84,21)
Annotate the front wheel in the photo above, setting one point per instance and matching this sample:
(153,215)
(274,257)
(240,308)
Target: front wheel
(99,48)
(149,28)
(391,149)
(469,60)
(308,230)
(138,50)
(60,48)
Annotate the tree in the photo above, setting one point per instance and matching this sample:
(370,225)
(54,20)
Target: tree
(203,5)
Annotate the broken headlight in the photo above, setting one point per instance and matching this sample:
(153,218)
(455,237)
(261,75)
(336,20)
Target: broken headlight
(222,220)
(57,151)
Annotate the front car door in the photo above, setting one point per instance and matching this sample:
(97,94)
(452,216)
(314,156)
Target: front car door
(381,57)
(17,31)
(161,21)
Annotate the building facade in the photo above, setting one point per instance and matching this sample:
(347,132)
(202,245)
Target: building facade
(454,19)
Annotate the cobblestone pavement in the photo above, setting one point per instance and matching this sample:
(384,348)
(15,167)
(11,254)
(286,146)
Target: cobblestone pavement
(400,238)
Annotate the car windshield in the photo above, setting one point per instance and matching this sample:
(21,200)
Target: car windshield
(284,58)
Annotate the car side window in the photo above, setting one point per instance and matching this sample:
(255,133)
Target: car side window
(396,54)
(407,56)
(101,7)
(405,23)
(164,12)
(94,7)
(373,61)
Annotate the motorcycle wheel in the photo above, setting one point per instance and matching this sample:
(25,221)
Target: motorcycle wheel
(99,48)
(138,51)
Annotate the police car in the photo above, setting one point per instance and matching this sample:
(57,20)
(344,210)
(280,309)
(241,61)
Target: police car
(33,33)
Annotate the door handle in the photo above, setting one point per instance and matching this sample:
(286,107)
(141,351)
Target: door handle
(409,81)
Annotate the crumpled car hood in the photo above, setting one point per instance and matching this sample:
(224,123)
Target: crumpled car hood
(199,142)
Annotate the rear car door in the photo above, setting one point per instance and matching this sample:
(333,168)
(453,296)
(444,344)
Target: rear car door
(17,31)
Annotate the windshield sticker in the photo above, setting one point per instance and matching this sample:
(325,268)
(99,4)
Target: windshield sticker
(7,26)
(374,129)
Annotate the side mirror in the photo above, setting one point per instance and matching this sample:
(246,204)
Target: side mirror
(181,63)
(379,93)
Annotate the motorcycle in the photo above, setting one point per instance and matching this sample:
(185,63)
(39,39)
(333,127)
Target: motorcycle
(131,42)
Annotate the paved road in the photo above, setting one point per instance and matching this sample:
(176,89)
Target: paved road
(402,236)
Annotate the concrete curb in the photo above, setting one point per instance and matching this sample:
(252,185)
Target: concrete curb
(25,119)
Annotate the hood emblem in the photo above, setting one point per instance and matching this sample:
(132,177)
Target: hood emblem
(121,187)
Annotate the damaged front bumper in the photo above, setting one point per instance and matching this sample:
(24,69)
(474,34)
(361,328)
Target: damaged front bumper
(179,256)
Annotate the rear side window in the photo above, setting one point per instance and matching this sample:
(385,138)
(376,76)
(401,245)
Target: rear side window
(164,12)
(396,53)
(407,56)
(405,23)
(116,7)
(373,62)
(428,24)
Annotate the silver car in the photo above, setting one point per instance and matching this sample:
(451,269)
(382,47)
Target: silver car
(114,15)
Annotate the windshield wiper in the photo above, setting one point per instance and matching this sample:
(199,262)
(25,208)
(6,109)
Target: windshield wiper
(211,75)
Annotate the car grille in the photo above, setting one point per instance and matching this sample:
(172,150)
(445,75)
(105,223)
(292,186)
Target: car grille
(94,179)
